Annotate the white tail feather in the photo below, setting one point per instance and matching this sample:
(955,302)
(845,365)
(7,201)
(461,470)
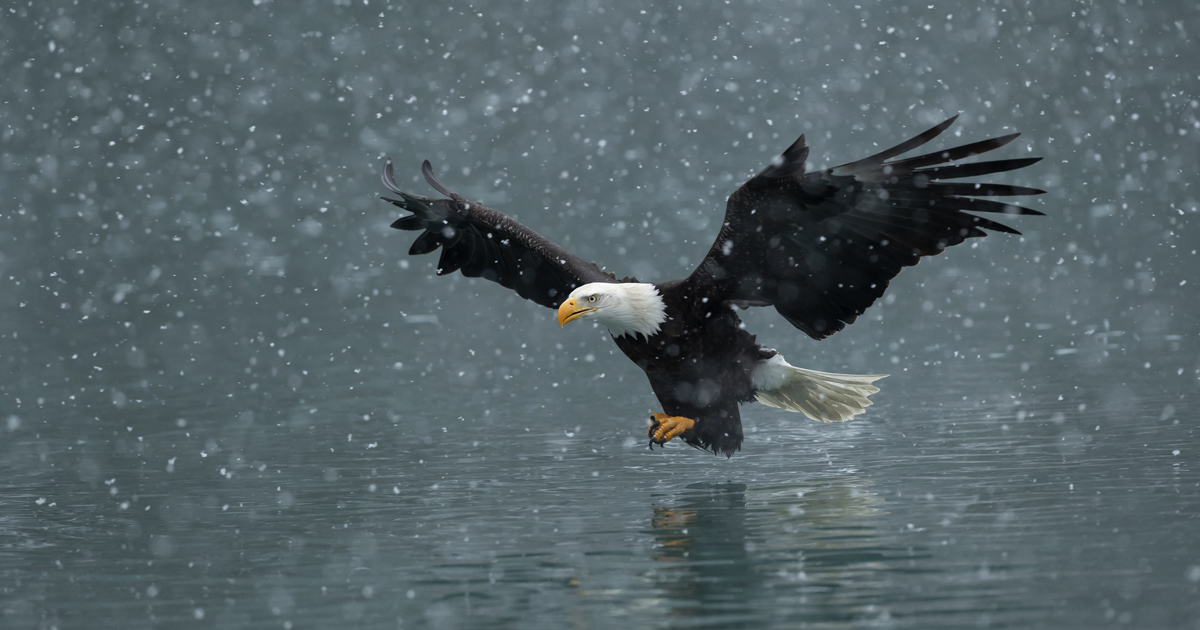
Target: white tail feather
(822,396)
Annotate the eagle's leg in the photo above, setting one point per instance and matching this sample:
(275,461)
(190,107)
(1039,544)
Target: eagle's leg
(664,427)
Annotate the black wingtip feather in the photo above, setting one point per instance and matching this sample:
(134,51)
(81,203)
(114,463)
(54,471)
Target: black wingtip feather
(790,162)
(987,205)
(410,223)
(427,171)
(417,205)
(989,224)
(952,154)
(425,243)
(389,181)
(914,142)
(984,190)
(958,171)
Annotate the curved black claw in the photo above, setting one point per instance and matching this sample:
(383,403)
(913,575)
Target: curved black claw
(654,424)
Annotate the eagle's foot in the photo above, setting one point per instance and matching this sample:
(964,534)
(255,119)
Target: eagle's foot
(664,428)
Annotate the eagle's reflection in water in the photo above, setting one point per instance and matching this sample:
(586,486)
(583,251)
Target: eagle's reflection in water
(805,551)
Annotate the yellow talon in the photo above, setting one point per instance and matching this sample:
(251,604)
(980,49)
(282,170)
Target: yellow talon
(664,427)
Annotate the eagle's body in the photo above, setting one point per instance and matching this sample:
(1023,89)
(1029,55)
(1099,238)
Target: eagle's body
(700,365)
(820,247)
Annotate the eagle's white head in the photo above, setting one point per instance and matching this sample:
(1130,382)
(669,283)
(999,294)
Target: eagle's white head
(626,308)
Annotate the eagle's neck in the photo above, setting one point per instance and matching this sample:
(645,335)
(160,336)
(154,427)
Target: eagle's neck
(640,310)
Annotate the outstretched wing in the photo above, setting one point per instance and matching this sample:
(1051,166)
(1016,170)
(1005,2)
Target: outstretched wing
(483,243)
(821,247)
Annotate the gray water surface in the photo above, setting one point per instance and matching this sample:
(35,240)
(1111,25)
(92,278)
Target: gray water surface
(978,501)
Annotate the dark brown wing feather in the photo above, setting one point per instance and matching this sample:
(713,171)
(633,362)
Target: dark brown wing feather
(821,247)
(483,243)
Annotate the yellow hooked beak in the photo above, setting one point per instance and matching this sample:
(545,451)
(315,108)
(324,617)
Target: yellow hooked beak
(570,310)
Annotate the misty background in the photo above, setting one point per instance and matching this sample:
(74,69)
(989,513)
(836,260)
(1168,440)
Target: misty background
(215,352)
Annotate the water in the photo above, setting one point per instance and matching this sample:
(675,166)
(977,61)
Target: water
(229,400)
(953,505)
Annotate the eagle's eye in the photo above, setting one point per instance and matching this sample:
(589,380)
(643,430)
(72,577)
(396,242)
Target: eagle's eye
(591,298)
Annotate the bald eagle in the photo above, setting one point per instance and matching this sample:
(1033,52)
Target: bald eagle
(819,246)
